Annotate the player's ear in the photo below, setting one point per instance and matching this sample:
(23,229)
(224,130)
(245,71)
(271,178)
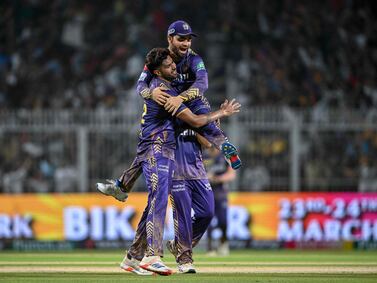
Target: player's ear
(157,72)
(170,39)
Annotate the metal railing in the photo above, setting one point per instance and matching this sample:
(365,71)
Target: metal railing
(281,149)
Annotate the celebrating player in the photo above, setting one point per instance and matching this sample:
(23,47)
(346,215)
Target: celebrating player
(155,155)
(191,84)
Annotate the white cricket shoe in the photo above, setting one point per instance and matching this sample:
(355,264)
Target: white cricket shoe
(186,268)
(111,189)
(133,265)
(223,249)
(155,264)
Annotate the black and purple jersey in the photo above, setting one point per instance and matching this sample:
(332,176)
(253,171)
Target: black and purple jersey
(192,76)
(188,158)
(217,166)
(157,125)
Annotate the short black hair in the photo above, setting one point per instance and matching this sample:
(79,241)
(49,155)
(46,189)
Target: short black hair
(155,57)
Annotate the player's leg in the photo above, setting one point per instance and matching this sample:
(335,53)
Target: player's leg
(128,178)
(203,208)
(135,254)
(181,247)
(183,215)
(157,171)
(120,188)
(221,211)
(210,250)
(139,244)
(213,133)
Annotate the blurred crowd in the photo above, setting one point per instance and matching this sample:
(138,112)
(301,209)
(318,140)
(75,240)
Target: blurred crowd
(87,55)
(38,162)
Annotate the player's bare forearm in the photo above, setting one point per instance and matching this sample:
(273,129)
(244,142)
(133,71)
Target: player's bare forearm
(211,117)
(203,141)
(228,176)
(197,121)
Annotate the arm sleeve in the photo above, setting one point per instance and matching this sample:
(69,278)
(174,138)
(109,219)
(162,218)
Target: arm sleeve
(142,86)
(181,109)
(200,85)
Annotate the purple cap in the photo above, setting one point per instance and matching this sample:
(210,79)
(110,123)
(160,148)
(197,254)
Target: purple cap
(180,28)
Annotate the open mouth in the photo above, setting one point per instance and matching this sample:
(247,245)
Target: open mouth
(183,50)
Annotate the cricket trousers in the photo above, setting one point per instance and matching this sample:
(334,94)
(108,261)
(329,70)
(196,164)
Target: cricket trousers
(158,171)
(193,209)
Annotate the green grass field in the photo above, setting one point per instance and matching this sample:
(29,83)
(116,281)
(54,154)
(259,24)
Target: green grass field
(240,266)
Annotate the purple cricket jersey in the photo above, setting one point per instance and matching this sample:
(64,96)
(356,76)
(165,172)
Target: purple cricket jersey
(157,126)
(217,165)
(192,75)
(188,158)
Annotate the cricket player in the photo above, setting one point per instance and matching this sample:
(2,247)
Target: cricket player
(155,155)
(191,83)
(219,174)
(191,198)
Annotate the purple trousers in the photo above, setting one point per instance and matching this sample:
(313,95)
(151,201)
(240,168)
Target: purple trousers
(158,172)
(193,209)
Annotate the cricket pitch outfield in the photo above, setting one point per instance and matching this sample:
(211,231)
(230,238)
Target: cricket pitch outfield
(240,266)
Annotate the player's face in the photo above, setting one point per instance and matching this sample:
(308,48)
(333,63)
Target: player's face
(168,69)
(179,45)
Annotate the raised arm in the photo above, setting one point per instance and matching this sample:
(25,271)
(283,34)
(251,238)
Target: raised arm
(197,121)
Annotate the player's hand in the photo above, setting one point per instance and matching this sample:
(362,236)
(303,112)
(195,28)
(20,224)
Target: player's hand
(172,104)
(230,107)
(212,178)
(159,95)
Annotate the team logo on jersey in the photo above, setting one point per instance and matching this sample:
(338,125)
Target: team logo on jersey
(142,76)
(200,66)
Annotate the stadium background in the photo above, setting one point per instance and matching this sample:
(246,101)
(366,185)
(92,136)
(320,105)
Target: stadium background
(305,73)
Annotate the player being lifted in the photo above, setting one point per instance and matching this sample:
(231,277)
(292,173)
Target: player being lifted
(191,83)
(155,157)
(194,81)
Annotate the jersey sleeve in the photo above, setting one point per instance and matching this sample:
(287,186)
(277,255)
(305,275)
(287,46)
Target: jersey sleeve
(142,86)
(181,109)
(200,85)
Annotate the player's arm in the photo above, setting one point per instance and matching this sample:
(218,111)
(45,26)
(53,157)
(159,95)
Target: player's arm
(203,141)
(228,176)
(142,88)
(200,85)
(197,121)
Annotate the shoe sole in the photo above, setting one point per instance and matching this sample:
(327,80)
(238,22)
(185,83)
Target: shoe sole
(190,271)
(133,270)
(230,152)
(102,192)
(159,272)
